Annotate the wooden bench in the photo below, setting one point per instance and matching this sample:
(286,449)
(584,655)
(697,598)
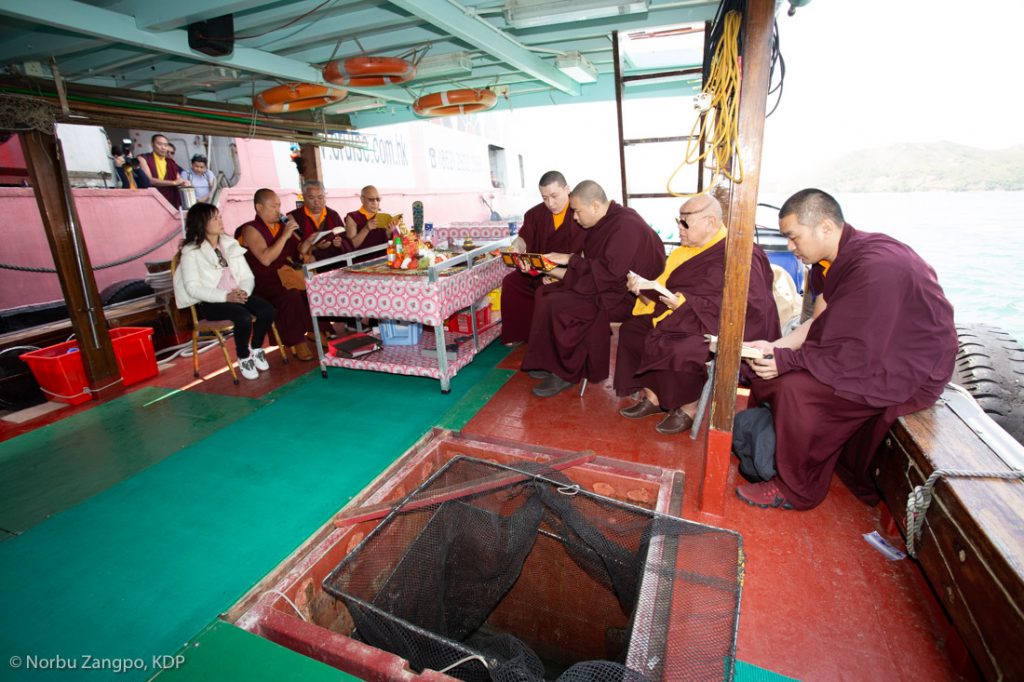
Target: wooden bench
(971,549)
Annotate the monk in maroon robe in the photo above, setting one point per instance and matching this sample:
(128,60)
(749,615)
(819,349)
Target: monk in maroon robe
(315,216)
(662,349)
(272,246)
(548,226)
(363,229)
(570,336)
(881,345)
(163,171)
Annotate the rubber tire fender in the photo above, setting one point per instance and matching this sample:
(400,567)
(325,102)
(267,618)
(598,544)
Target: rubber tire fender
(990,365)
(125,290)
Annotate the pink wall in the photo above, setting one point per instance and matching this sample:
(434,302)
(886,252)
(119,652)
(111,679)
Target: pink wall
(115,223)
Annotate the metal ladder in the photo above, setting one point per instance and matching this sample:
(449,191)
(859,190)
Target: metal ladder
(620,84)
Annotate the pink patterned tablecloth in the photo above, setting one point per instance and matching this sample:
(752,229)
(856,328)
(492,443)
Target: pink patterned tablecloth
(478,231)
(392,297)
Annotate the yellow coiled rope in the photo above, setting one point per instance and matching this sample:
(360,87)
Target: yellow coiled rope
(720,129)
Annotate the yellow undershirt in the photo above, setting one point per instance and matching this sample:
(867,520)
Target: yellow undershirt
(825,265)
(317,219)
(679,255)
(161,166)
(559,218)
(369,216)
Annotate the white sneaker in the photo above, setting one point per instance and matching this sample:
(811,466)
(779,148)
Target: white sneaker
(248,368)
(259,358)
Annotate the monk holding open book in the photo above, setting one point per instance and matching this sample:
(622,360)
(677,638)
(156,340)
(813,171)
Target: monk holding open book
(547,227)
(662,347)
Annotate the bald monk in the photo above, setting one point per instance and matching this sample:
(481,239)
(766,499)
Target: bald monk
(570,338)
(363,227)
(271,246)
(548,226)
(662,349)
(881,345)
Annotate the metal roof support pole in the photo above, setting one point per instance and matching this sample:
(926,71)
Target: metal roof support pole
(757,26)
(618,113)
(44,157)
(703,114)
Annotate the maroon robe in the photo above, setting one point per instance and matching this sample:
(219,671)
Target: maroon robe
(570,334)
(291,306)
(518,289)
(671,359)
(331,220)
(173,170)
(375,237)
(883,347)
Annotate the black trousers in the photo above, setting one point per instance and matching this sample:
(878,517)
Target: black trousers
(247,332)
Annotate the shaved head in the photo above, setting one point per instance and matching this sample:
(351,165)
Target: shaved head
(589,191)
(704,203)
(589,203)
(552,177)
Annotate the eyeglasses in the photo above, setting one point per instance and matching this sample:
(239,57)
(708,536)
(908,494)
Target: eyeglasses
(371,198)
(220,258)
(682,221)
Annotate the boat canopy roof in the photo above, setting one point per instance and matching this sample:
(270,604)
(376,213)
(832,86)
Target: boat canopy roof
(530,52)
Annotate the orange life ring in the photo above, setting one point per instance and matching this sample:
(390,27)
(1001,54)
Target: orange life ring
(454,102)
(369,72)
(297,97)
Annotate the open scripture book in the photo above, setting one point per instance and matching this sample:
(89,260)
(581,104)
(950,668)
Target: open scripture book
(527,261)
(651,285)
(323,233)
(745,352)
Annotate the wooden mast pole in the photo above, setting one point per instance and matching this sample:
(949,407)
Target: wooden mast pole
(757,42)
(44,157)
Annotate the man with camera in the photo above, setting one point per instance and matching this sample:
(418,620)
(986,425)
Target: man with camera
(127,167)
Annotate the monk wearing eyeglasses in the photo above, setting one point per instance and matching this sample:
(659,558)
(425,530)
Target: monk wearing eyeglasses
(662,350)
(367,226)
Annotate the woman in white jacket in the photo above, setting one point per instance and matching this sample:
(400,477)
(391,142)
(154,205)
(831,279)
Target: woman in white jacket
(212,275)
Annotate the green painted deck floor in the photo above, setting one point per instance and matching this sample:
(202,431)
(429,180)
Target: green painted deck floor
(138,569)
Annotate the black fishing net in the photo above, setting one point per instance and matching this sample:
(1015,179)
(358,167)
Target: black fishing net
(492,573)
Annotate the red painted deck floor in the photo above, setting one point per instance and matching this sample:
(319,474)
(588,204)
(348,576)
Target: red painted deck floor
(818,602)
(214,378)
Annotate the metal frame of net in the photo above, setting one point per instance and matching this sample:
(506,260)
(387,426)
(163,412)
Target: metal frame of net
(497,573)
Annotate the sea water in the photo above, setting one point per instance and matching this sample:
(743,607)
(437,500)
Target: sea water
(974,240)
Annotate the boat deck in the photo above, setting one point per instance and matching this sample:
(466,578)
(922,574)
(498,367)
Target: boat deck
(154,512)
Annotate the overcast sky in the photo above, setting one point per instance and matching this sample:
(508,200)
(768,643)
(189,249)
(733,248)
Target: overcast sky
(865,73)
(860,74)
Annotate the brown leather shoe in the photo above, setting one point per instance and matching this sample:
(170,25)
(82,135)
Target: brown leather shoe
(311,338)
(677,421)
(302,352)
(644,408)
(551,386)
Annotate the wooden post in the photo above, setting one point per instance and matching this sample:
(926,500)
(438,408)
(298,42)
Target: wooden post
(757,25)
(312,169)
(44,157)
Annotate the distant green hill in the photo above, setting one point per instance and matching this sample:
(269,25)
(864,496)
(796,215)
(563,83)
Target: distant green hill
(935,166)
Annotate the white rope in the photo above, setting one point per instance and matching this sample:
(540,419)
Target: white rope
(290,603)
(84,391)
(920,498)
(463,660)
